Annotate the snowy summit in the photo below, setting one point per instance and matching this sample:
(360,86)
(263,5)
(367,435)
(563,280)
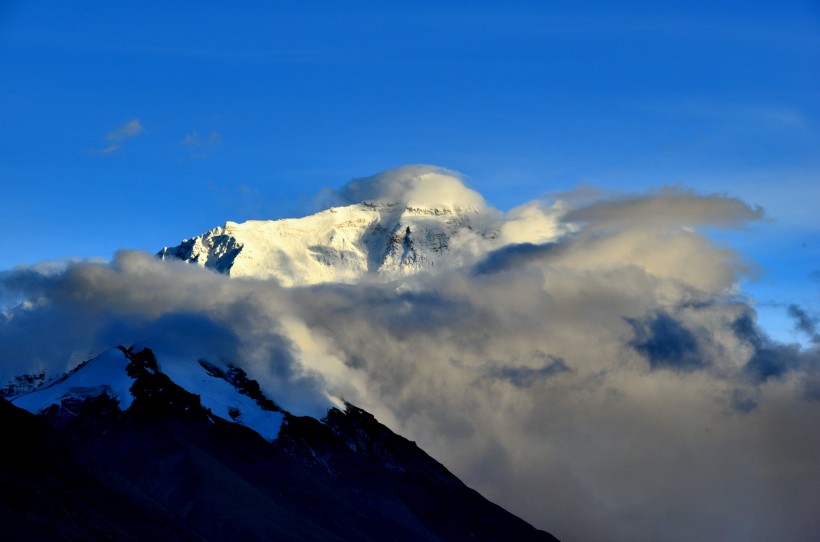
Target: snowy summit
(401,221)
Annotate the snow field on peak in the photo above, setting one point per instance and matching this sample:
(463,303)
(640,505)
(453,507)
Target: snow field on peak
(344,244)
(320,248)
(104,373)
(107,373)
(222,398)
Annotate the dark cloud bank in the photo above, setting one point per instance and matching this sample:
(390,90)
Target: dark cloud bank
(607,385)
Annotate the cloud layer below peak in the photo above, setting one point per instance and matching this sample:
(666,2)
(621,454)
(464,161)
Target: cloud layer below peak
(595,371)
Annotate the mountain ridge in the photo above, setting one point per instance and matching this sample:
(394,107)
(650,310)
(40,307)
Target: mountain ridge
(342,244)
(213,477)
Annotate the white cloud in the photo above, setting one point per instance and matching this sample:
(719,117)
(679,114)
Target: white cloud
(117,137)
(127,130)
(417,185)
(534,222)
(106,150)
(199,146)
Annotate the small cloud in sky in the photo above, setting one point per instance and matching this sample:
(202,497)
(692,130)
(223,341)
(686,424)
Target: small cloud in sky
(766,115)
(200,146)
(117,137)
(107,150)
(128,130)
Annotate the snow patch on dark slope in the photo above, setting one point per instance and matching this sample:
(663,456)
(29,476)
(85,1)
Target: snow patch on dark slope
(228,394)
(23,384)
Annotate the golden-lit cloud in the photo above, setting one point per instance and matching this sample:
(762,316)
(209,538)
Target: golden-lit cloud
(594,371)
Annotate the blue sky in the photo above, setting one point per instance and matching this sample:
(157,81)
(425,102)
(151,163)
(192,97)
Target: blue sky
(136,124)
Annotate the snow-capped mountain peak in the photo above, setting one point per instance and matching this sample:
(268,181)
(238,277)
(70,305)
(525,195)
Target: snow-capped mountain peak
(343,244)
(121,372)
(106,373)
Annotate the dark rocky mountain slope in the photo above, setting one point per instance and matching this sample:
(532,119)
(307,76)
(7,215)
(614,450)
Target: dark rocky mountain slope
(167,468)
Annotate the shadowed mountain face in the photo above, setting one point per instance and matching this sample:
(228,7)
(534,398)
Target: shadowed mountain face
(167,468)
(49,490)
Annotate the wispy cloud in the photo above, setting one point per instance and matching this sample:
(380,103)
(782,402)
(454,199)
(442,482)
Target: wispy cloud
(128,130)
(771,116)
(105,150)
(200,146)
(117,137)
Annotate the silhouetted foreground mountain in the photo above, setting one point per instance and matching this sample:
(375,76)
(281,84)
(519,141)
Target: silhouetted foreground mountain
(166,468)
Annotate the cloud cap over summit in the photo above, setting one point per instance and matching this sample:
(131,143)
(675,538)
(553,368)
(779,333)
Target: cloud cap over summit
(414,185)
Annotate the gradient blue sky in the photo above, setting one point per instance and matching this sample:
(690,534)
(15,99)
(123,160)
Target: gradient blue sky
(136,124)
